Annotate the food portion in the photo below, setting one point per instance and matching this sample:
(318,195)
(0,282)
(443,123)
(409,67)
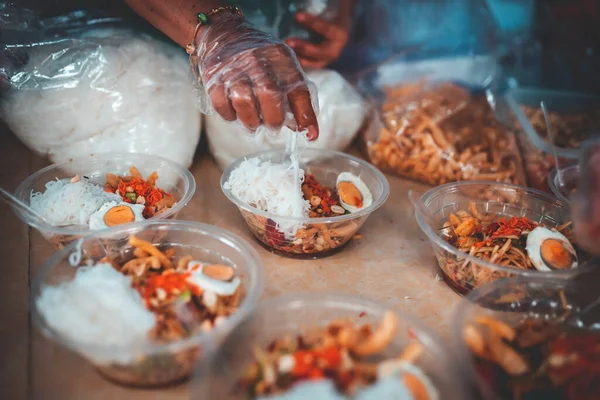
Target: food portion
(341,361)
(119,311)
(514,242)
(536,359)
(296,203)
(570,130)
(440,134)
(80,202)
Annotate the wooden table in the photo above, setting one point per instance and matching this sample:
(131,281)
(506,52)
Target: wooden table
(392,263)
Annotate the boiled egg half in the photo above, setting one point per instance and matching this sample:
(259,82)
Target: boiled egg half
(113,213)
(354,193)
(549,250)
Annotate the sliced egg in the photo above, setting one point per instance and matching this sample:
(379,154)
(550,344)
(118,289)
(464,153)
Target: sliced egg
(202,276)
(354,193)
(549,250)
(113,213)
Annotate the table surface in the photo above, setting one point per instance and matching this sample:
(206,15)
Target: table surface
(392,263)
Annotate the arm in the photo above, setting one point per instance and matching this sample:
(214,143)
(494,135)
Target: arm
(247,74)
(174,18)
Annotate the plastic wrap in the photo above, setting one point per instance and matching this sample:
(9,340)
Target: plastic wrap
(574,117)
(102,90)
(341,114)
(434,121)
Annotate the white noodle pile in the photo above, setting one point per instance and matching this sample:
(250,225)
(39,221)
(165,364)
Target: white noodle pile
(70,203)
(110,91)
(97,308)
(274,188)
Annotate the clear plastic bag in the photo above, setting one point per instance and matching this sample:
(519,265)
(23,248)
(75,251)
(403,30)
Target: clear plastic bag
(574,118)
(99,90)
(434,121)
(341,114)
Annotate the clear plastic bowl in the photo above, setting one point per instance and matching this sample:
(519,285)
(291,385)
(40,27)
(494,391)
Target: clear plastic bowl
(154,364)
(172,178)
(570,175)
(216,377)
(318,236)
(501,198)
(512,299)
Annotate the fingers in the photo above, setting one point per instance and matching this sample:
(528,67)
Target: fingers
(319,55)
(321,26)
(220,101)
(311,64)
(241,95)
(256,90)
(305,49)
(299,97)
(268,93)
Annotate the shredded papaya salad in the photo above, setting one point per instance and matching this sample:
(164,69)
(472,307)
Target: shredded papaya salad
(338,363)
(81,202)
(136,190)
(515,242)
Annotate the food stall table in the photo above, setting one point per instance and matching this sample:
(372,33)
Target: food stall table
(390,261)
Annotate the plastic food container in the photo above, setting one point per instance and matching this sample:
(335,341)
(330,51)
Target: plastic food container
(318,236)
(570,176)
(510,300)
(216,377)
(172,178)
(574,118)
(432,122)
(463,272)
(154,364)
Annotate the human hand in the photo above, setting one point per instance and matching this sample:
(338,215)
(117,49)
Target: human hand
(250,76)
(311,55)
(586,202)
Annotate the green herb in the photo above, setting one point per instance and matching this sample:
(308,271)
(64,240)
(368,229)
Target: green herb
(131,196)
(185,296)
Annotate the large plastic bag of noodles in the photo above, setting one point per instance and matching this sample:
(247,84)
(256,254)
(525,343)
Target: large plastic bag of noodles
(76,85)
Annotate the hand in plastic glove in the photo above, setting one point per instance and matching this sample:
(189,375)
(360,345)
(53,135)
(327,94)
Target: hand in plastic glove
(334,35)
(586,206)
(247,74)
(253,77)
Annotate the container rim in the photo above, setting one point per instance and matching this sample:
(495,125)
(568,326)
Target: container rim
(24,188)
(253,292)
(379,177)
(553,180)
(438,241)
(323,300)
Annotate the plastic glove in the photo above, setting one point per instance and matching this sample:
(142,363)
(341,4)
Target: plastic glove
(586,205)
(249,76)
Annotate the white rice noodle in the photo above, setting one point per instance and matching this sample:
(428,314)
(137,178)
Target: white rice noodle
(98,310)
(70,203)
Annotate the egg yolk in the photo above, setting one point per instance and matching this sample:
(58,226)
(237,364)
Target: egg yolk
(415,387)
(119,215)
(350,194)
(555,255)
